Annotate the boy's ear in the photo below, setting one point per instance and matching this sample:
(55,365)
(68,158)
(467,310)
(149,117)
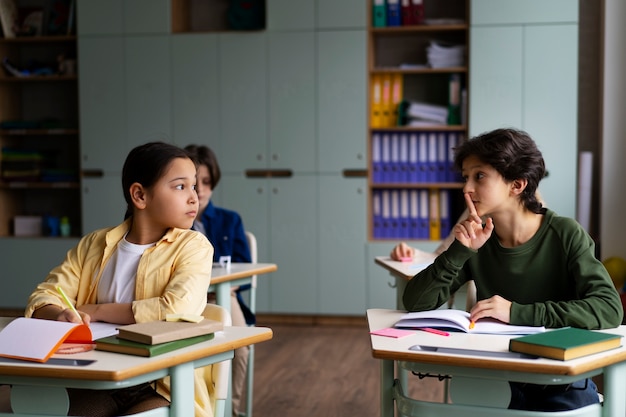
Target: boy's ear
(518,186)
(138,195)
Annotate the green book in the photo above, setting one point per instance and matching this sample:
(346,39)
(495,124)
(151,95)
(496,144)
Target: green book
(113,344)
(566,343)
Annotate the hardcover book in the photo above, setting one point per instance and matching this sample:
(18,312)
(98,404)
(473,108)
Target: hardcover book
(117,345)
(566,343)
(458,320)
(155,332)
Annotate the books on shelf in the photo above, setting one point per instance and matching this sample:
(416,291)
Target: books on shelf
(566,343)
(414,157)
(117,345)
(37,340)
(458,320)
(411,214)
(155,332)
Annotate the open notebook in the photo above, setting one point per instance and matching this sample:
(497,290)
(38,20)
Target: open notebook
(36,339)
(458,320)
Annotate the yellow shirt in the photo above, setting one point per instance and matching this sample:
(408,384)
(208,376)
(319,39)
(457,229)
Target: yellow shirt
(173,276)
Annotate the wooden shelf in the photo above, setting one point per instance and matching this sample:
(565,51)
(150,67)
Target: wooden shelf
(418,28)
(391,53)
(38,78)
(40,98)
(38,132)
(435,128)
(397,70)
(418,185)
(39,185)
(38,39)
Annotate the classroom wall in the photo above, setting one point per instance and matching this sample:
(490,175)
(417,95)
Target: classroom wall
(613,168)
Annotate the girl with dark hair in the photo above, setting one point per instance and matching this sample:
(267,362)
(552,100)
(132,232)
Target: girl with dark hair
(530,266)
(150,265)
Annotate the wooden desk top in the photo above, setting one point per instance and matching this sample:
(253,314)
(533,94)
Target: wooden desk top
(239,270)
(405,270)
(398,349)
(118,367)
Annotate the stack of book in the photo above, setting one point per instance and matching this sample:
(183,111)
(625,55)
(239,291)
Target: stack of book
(158,337)
(21,165)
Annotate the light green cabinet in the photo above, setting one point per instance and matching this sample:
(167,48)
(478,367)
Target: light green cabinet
(117,17)
(282,214)
(341,14)
(290,15)
(243,101)
(103,201)
(291,101)
(523,74)
(97,17)
(25,263)
(195,90)
(341,100)
(342,214)
(147,64)
(102,89)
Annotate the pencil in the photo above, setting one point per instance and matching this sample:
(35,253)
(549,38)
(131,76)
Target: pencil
(472,324)
(69,303)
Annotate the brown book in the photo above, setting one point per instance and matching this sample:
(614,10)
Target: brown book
(155,332)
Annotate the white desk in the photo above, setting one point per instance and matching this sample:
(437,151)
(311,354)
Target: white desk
(112,370)
(222,279)
(402,272)
(486,368)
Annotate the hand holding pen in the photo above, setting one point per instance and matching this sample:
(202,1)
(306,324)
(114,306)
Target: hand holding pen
(74,315)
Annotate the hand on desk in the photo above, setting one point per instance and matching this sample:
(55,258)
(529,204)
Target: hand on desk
(495,307)
(402,250)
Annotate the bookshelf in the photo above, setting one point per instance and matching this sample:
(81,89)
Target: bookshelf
(39,136)
(413,189)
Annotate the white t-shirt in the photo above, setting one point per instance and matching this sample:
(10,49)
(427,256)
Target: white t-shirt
(117,284)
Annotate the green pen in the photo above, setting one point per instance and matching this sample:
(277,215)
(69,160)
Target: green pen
(67,301)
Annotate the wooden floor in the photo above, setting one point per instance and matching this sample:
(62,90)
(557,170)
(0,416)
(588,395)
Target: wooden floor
(322,370)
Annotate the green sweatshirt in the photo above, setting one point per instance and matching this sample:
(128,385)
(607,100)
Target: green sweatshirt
(553,280)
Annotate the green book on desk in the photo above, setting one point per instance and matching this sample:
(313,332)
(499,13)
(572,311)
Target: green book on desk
(566,343)
(114,344)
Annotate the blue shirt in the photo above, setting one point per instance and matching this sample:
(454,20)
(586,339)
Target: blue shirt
(225,231)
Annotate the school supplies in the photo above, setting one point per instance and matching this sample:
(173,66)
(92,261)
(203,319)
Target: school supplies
(36,339)
(458,320)
(117,345)
(566,343)
(155,332)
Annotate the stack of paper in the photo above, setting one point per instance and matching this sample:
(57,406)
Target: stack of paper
(420,114)
(443,55)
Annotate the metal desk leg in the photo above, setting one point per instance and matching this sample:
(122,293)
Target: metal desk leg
(222,295)
(614,401)
(182,389)
(386,388)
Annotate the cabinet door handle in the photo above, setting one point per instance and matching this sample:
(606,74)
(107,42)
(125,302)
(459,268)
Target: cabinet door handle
(355,173)
(269,173)
(92,173)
